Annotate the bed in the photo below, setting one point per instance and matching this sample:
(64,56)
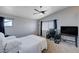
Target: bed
(28,44)
(33,44)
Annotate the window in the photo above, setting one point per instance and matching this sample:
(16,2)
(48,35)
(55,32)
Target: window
(51,25)
(47,25)
(7,22)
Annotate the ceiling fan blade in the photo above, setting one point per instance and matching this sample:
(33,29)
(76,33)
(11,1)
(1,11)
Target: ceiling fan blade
(36,13)
(37,10)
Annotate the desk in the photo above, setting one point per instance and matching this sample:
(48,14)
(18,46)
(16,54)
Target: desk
(76,39)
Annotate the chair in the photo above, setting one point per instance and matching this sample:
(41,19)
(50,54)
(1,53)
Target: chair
(53,33)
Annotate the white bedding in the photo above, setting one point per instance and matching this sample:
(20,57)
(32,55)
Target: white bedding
(32,44)
(28,44)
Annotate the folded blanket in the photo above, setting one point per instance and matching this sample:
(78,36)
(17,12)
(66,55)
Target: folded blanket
(11,46)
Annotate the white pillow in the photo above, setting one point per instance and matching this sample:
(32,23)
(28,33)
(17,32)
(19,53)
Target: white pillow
(1,42)
(10,37)
(2,36)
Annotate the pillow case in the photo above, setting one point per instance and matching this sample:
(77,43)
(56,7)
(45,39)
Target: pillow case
(2,36)
(1,42)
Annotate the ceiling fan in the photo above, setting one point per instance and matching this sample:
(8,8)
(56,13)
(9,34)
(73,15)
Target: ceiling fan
(40,11)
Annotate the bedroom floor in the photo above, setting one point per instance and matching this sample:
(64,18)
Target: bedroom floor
(63,47)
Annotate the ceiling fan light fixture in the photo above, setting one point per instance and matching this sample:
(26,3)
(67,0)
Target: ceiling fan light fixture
(40,11)
(41,6)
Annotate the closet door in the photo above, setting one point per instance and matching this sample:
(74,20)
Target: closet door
(2,24)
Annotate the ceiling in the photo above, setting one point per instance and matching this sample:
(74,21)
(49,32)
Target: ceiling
(27,11)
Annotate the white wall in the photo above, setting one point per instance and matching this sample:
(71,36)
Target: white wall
(22,27)
(66,17)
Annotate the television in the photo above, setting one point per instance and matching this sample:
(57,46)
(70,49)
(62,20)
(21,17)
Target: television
(69,30)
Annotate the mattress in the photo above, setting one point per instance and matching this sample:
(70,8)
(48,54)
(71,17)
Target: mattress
(32,44)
